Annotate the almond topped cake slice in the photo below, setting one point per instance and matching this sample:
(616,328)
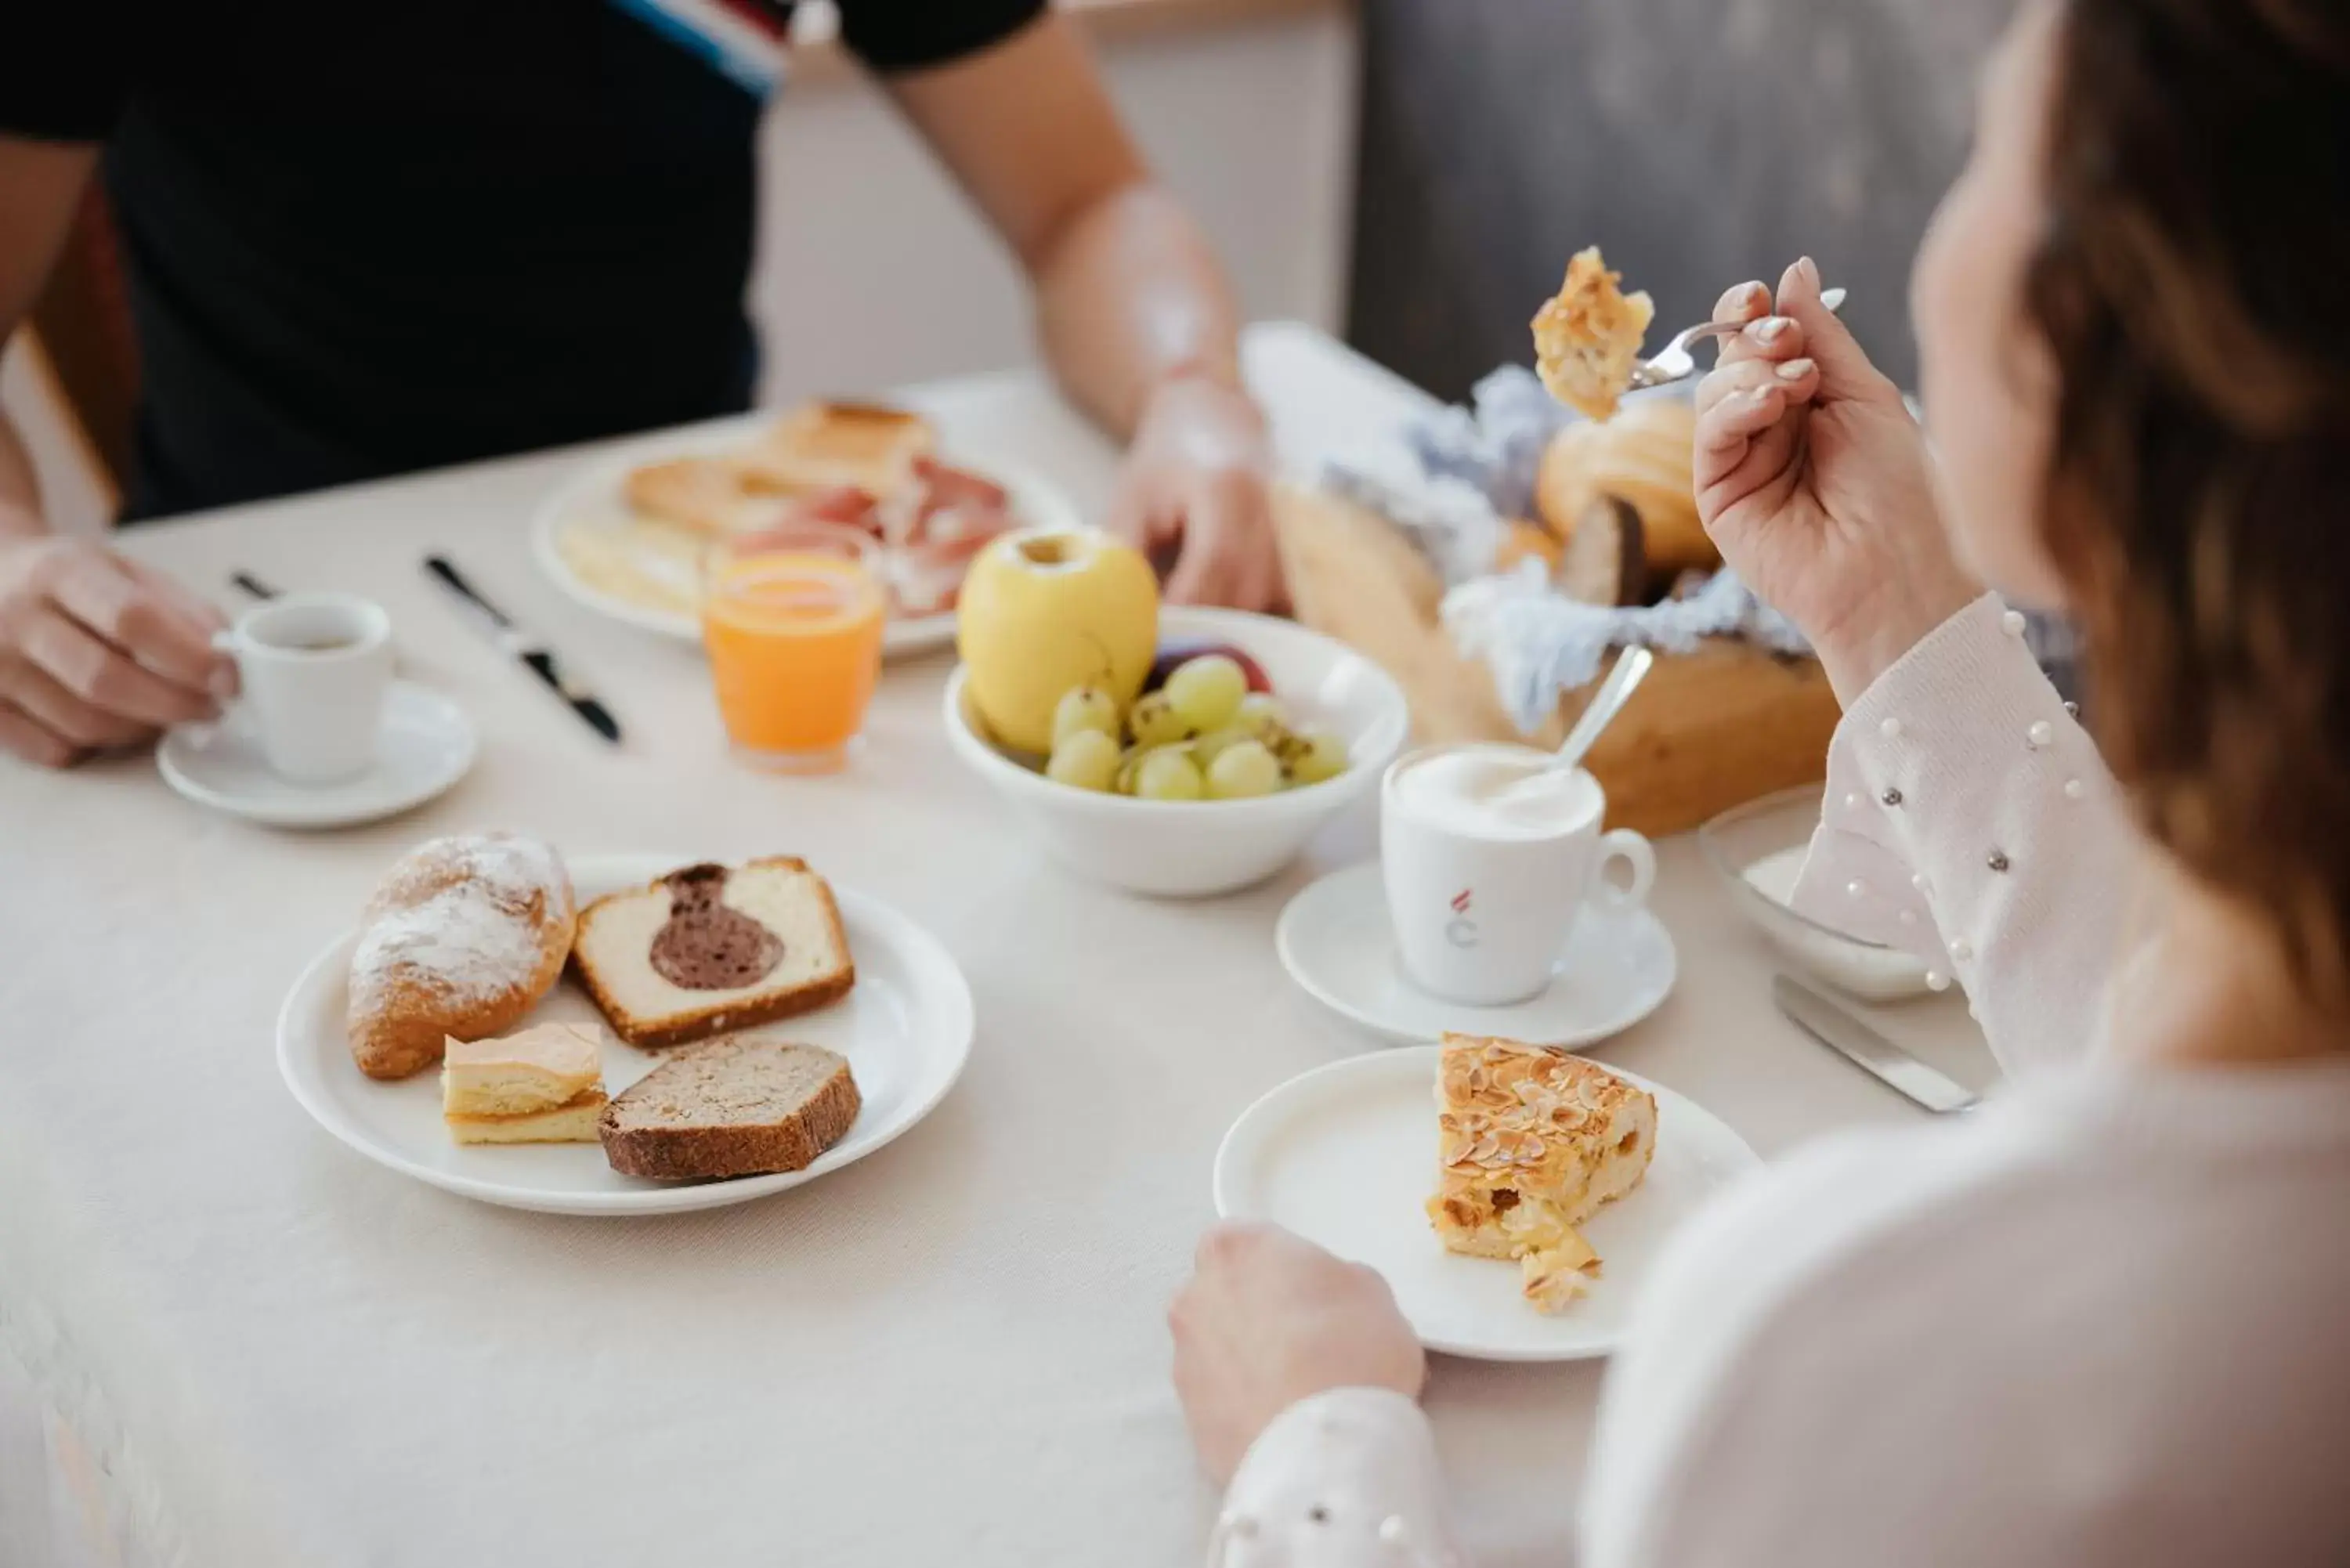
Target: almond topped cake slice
(1532,1142)
(1587,338)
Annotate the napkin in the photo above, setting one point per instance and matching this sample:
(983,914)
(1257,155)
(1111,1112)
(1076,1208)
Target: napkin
(1454,481)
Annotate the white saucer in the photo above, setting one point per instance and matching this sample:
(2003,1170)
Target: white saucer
(1335,942)
(1345,1156)
(425,746)
(906,1029)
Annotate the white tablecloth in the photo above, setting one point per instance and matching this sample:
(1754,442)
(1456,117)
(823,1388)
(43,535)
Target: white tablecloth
(238,1343)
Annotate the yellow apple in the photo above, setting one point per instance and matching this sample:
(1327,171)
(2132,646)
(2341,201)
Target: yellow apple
(1046,609)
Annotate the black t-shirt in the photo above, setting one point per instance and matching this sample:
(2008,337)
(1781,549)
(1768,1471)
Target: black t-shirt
(366,239)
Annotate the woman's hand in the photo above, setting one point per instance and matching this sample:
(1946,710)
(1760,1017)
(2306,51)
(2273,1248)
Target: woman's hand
(97,652)
(1815,482)
(1268,1319)
(1194,484)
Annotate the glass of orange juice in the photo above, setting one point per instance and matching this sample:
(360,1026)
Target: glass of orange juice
(792,619)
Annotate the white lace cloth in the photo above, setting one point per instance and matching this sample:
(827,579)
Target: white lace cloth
(1452,483)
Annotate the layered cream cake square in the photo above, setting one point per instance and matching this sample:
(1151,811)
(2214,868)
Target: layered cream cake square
(1532,1142)
(543,1084)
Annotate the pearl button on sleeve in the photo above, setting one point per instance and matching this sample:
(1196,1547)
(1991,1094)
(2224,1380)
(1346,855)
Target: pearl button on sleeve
(1991,811)
(1347,1478)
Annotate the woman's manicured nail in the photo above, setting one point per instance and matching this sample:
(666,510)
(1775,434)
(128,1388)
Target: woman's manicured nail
(1794,369)
(1734,304)
(1809,271)
(1773,329)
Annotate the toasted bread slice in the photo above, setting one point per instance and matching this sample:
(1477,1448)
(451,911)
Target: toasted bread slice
(869,445)
(742,1105)
(716,496)
(709,949)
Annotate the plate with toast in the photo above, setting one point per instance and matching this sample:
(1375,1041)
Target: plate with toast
(621,1034)
(631,535)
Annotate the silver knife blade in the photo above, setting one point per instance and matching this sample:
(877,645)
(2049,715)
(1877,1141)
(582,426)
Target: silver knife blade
(1868,1050)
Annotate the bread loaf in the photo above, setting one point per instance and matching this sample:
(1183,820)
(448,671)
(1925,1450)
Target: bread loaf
(461,940)
(1644,456)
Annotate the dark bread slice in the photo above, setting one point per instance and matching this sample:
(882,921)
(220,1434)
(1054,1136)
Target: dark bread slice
(742,1104)
(1604,561)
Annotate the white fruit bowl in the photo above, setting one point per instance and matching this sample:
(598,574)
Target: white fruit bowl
(1187,849)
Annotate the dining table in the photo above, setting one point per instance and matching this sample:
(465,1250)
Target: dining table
(226,1339)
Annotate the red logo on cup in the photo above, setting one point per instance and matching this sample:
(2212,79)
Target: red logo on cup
(1460,931)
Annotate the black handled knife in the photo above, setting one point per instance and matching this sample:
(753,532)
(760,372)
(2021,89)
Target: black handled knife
(527,650)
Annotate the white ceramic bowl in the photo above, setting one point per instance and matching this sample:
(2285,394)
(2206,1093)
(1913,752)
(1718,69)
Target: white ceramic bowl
(1182,848)
(1759,845)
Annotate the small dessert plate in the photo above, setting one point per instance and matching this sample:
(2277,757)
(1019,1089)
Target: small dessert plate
(906,1030)
(1335,941)
(1344,1156)
(427,744)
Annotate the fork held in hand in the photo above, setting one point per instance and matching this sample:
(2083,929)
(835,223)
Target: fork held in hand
(1674,362)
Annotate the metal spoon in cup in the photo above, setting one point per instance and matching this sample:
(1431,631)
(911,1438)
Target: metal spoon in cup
(1632,667)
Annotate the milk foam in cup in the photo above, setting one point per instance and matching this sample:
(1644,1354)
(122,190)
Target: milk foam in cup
(1495,793)
(1489,856)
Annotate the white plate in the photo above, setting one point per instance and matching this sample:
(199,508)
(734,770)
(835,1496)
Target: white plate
(592,498)
(1335,941)
(1345,1156)
(906,1030)
(426,745)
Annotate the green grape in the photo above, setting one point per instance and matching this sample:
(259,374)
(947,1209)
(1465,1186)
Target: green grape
(1243,769)
(1168,773)
(1260,714)
(1085,707)
(1154,722)
(1206,692)
(1209,746)
(1129,763)
(1085,758)
(1320,755)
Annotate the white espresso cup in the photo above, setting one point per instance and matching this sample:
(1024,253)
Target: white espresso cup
(314,669)
(1484,887)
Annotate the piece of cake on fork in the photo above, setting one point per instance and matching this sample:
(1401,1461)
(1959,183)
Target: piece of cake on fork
(1532,1141)
(1588,339)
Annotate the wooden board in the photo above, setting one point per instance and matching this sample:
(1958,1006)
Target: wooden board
(1708,730)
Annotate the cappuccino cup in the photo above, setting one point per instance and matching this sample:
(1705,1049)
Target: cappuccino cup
(314,670)
(1488,856)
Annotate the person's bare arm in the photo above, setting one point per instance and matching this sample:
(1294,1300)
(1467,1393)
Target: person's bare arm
(1127,289)
(41,184)
(96,651)
(1133,310)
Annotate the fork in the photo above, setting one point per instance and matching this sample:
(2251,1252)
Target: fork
(1674,362)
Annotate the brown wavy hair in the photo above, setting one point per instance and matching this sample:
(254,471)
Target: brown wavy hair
(2192,283)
